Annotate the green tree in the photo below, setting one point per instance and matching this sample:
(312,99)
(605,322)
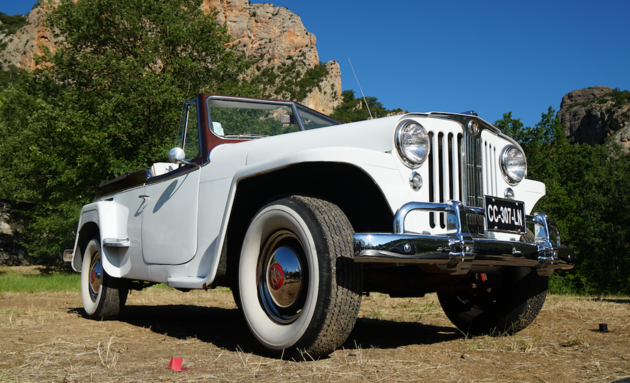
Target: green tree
(10,24)
(9,74)
(353,109)
(587,188)
(105,103)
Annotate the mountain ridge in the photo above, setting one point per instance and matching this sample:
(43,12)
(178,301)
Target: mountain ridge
(274,34)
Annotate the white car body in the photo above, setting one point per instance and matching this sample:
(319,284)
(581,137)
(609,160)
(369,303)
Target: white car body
(171,224)
(182,246)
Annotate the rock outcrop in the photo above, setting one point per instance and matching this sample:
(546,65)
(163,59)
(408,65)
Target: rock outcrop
(12,252)
(593,114)
(273,33)
(26,43)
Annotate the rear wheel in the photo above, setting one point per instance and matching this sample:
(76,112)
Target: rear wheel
(503,304)
(103,296)
(299,286)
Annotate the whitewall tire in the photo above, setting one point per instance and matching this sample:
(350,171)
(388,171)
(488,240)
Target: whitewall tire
(299,287)
(103,296)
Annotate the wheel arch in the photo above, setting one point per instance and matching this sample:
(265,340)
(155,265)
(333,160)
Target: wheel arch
(88,231)
(346,185)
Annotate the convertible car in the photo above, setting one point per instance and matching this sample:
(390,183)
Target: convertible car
(301,216)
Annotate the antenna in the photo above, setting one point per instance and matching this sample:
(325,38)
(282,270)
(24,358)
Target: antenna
(355,76)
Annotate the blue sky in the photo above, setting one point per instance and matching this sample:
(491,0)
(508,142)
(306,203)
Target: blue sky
(452,56)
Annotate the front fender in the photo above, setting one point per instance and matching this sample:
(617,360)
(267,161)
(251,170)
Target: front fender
(107,220)
(379,166)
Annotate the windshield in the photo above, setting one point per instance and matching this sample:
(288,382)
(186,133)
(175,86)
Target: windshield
(313,120)
(259,118)
(242,119)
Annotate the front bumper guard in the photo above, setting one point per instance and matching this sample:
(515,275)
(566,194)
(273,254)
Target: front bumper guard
(457,251)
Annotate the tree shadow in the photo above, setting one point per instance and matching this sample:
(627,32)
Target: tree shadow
(226,328)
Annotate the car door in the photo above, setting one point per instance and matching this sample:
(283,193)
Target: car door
(169,221)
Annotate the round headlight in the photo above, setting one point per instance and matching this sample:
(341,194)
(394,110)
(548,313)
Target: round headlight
(513,164)
(413,143)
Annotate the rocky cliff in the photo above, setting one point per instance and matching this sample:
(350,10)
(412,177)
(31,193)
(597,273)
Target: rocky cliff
(22,47)
(273,33)
(593,114)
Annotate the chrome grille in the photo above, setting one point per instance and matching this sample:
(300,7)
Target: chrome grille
(466,166)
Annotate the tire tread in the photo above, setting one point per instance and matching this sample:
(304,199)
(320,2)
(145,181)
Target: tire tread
(344,300)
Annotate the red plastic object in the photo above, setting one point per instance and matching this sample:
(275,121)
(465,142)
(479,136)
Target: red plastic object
(484,277)
(176,364)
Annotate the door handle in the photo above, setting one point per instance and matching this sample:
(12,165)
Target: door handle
(144,196)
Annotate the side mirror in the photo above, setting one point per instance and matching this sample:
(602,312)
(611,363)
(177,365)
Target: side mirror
(177,156)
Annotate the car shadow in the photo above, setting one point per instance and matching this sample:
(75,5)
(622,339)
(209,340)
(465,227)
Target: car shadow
(227,329)
(385,334)
(616,300)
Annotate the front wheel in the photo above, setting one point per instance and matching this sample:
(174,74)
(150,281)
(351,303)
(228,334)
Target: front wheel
(103,296)
(299,286)
(498,304)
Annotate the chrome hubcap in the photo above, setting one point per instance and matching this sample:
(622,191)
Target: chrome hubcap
(95,276)
(282,277)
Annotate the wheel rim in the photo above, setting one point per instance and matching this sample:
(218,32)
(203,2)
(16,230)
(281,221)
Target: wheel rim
(95,276)
(485,295)
(282,277)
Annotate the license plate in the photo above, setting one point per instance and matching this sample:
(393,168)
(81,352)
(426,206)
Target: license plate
(504,215)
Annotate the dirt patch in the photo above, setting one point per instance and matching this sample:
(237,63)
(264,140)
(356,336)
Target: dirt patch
(45,338)
(26,270)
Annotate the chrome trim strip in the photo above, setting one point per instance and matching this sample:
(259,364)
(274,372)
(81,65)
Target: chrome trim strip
(116,242)
(109,196)
(250,100)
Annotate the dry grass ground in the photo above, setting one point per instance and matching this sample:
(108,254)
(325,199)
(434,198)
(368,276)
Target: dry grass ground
(45,338)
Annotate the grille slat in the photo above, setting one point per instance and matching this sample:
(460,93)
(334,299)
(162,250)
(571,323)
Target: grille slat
(490,168)
(455,162)
(495,169)
(447,178)
(488,177)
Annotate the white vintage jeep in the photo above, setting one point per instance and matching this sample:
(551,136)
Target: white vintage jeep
(300,216)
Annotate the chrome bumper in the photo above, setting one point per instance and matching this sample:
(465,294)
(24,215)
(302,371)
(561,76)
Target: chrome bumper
(457,251)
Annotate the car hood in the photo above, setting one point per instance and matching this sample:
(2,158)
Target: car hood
(377,135)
